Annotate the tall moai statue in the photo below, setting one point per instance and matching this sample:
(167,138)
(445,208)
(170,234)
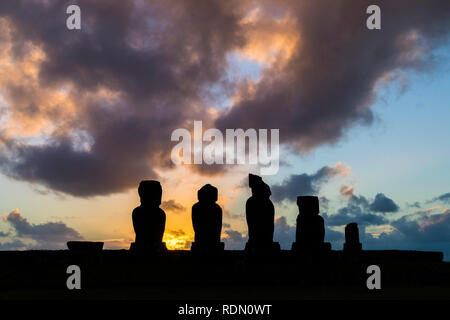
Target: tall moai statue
(352,244)
(149,220)
(260,214)
(207,221)
(310,233)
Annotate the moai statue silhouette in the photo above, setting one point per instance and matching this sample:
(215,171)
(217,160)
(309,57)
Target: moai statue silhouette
(352,244)
(310,233)
(207,221)
(260,214)
(149,219)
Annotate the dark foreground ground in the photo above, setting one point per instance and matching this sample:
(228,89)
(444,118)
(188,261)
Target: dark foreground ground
(181,276)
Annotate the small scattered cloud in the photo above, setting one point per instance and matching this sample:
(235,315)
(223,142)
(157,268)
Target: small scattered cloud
(415,204)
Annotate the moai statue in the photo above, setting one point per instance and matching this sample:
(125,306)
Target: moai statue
(149,220)
(207,221)
(310,227)
(352,243)
(260,214)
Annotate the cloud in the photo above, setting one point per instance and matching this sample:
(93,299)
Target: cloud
(429,209)
(91,112)
(445,198)
(118,87)
(173,206)
(46,235)
(116,244)
(13,245)
(305,184)
(234,240)
(4,234)
(176,233)
(415,232)
(347,191)
(353,213)
(359,209)
(415,204)
(177,239)
(324,202)
(383,204)
(332,78)
(284,233)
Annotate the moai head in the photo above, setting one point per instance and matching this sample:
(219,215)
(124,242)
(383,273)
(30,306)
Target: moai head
(254,181)
(352,233)
(207,193)
(308,205)
(258,186)
(150,192)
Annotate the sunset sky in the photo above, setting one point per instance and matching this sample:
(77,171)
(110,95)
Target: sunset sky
(363,115)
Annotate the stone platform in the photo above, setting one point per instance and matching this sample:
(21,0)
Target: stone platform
(233,275)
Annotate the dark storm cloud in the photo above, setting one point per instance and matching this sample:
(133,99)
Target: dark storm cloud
(48,235)
(305,184)
(330,82)
(383,204)
(159,58)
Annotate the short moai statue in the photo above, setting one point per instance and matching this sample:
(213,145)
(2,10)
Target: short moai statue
(260,214)
(207,221)
(310,233)
(352,243)
(149,220)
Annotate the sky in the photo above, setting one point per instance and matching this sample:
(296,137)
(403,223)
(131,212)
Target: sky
(363,115)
